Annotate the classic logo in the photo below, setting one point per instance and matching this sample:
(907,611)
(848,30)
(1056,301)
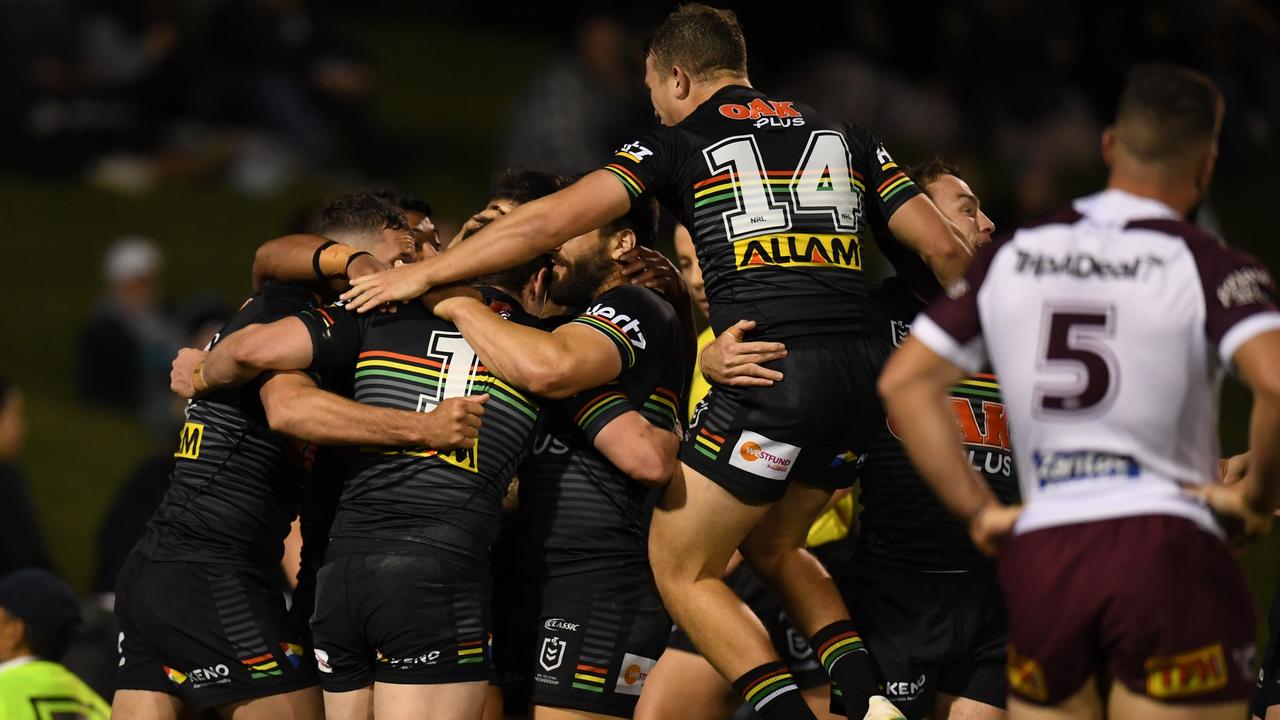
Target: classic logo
(1245,286)
(1026,677)
(761,456)
(552,654)
(628,325)
(189,441)
(561,624)
(635,668)
(1197,672)
(831,251)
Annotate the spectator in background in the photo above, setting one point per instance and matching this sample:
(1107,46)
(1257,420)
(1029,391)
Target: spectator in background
(21,544)
(126,346)
(38,614)
(582,105)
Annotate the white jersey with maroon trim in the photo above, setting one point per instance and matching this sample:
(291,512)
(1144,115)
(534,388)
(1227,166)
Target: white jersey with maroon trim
(1109,327)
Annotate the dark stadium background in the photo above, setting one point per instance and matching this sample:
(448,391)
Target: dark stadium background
(1013,91)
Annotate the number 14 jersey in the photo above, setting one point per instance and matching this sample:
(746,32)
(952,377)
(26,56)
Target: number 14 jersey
(1109,328)
(779,200)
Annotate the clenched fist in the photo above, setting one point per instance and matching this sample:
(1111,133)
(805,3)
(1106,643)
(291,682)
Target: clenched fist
(454,424)
(182,374)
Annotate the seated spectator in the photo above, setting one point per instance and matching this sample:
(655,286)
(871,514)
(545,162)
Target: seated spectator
(38,613)
(21,544)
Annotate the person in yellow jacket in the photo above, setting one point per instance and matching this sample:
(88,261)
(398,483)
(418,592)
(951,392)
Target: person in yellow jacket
(683,683)
(37,615)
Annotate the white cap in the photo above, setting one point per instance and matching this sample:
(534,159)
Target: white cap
(131,257)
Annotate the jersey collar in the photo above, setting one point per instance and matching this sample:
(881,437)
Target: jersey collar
(23,660)
(1121,207)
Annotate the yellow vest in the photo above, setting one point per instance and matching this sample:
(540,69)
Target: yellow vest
(39,690)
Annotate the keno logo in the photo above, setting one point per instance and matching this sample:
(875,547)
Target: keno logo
(213,672)
(561,624)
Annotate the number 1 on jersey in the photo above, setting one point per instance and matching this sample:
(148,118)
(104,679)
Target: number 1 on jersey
(458,365)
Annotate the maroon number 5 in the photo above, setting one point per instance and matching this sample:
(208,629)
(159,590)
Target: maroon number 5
(1074,352)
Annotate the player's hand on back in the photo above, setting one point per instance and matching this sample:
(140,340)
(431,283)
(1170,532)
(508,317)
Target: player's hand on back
(992,525)
(441,300)
(454,424)
(649,268)
(1233,469)
(182,374)
(1239,515)
(728,360)
(396,284)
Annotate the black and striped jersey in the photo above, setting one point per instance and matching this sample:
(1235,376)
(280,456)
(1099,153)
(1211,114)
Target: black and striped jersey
(779,199)
(902,522)
(577,511)
(235,484)
(411,360)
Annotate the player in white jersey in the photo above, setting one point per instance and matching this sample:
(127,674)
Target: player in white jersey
(1110,327)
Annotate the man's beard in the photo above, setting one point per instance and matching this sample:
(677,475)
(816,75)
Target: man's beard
(580,281)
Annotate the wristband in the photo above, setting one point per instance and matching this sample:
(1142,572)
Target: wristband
(199,385)
(347,267)
(315,259)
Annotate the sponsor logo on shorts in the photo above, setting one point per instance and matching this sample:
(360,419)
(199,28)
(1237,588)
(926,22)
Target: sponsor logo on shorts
(1026,677)
(293,652)
(1055,467)
(261,666)
(635,668)
(898,331)
(561,624)
(200,677)
(425,659)
(761,456)
(805,250)
(905,690)
(552,655)
(322,661)
(1198,672)
(189,441)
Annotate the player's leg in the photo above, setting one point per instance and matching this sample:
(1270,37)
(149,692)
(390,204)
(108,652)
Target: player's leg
(145,705)
(685,684)
(1125,704)
(350,705)
(696,528)
(542,712)
(951,707)
(1084,704)
(447,701)
(304,704)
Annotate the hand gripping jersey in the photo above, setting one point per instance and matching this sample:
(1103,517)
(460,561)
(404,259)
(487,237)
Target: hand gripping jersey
(779,200)
(234,489)
(902,523)
(577,511)
(1109,328)
(411,360)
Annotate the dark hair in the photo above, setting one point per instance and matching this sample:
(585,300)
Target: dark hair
(1166,111)
(403,199)
(703,40)
(924,174)
(48,645)
(641,219)
(359,211)
(524,186)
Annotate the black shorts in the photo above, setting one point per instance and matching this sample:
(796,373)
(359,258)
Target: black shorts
(210,634)
(594,637)
(1268,686)
(790,644)
(807,427)
(417,618)
(930,633)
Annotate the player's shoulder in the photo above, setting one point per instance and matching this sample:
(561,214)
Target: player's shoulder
(632,299)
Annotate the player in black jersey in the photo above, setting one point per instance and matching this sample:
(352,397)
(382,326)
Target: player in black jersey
(926,602)
(778,198)
(595,625)
(203,625)
(402,607)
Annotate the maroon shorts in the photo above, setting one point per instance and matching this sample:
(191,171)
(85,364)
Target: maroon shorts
(1153,601)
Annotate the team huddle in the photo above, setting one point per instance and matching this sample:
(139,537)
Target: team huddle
(527,487)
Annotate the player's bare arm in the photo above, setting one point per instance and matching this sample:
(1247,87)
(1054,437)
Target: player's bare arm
(311,259)
(530,230)
(730,360)
(637,447)
(247,353)
(923,228)
(914,384)
(555,364)
(296,407)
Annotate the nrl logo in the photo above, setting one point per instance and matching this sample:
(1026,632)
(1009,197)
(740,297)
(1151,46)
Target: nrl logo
(552,654)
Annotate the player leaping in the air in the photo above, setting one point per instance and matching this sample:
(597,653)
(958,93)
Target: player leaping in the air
(1110,327)
(779,199)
